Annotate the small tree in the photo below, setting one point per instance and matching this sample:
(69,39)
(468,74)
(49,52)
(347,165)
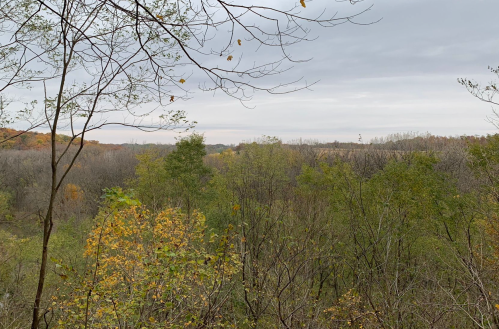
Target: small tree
(186,171)
(177,180)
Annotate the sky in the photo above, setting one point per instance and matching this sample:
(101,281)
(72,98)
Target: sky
(397,75)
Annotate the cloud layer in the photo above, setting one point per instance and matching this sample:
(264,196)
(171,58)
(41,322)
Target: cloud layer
(394,76)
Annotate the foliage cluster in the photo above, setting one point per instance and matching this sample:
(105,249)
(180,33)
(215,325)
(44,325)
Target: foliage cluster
(147,271)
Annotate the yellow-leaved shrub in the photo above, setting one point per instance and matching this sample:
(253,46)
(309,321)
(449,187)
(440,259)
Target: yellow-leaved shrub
(148,271)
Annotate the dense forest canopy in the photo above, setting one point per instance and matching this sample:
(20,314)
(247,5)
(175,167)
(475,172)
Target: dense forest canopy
(398,233)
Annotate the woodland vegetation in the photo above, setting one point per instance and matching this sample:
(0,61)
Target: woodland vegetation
(399,233)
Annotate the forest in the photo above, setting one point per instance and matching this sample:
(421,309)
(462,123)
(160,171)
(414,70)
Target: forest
(398,233)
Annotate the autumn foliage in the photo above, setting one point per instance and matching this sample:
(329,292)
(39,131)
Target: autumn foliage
(149,271)
(73,192)
(19,140)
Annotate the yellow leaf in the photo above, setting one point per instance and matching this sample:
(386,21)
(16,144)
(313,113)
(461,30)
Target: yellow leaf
(181,81)
(303,3)
(229,58)
(239,41)
(172,98)
(497,306)
(160,17)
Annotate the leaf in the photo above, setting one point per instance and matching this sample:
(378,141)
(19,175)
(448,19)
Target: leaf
(172,98)
(229,58)
(239,41)
(160,17)
(181,80)
(303,3)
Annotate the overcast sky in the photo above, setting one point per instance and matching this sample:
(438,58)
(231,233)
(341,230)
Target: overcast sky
(398,75)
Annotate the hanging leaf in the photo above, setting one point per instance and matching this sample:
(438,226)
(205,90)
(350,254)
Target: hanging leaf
(229,58)
(160,17)
(181,81)
(172,98)
(239,41)
(303,3)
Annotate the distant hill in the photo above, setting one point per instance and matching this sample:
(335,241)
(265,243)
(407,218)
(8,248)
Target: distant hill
(31,140)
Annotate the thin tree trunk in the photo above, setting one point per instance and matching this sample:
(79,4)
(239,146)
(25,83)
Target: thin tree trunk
(47,230)
(48,221)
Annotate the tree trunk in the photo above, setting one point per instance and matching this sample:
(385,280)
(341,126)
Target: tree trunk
(47,230)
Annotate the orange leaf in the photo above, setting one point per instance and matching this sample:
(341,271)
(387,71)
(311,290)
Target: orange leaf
(181,80)
(239,41)
(229,58)
(160,17)
(172,98)
(303,3)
